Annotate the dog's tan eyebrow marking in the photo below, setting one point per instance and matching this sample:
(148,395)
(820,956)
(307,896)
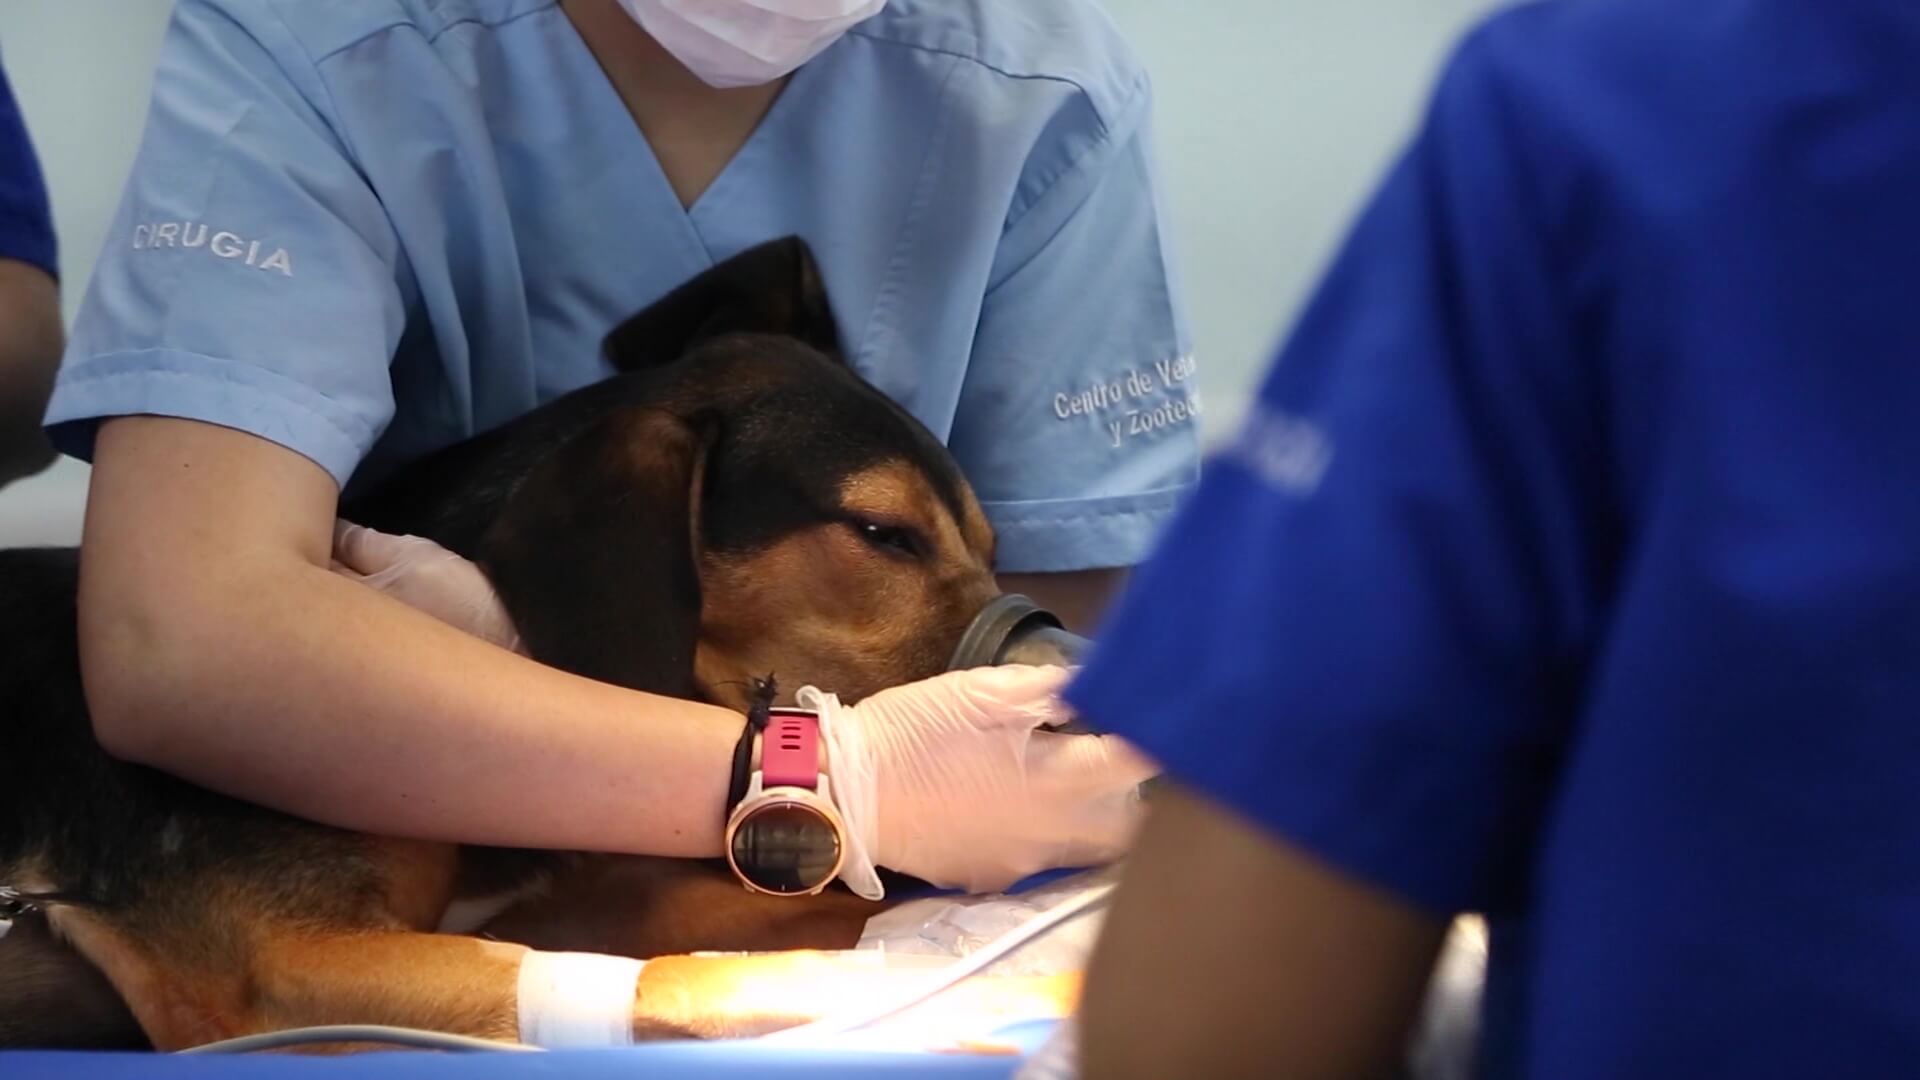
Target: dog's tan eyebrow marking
(937,467)
(885,490)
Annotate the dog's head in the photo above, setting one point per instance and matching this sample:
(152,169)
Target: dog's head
(739,503)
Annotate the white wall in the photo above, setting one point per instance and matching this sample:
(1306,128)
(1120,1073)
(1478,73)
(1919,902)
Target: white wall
(1274,118)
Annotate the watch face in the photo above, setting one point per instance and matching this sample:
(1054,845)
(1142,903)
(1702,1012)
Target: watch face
(786,848)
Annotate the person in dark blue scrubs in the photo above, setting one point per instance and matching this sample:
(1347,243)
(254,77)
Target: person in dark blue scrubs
(30,331)
(1567,571)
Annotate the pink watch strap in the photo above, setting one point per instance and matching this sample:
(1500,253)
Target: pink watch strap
(790,750)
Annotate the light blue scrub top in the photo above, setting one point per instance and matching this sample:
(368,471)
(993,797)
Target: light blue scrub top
(365,230)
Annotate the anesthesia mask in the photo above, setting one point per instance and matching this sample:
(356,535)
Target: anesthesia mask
(1015,630)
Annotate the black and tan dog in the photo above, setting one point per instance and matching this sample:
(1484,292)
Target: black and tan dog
(736,502)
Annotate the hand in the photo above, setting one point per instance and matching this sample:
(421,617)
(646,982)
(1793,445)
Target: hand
(423,575)
(948,779)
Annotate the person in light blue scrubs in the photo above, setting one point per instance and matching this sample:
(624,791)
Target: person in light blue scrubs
(355,233)
(366,231)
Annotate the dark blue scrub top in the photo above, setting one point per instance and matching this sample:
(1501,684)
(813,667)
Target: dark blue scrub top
(1569,568)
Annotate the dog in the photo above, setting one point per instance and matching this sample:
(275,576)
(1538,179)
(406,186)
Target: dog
(734,502)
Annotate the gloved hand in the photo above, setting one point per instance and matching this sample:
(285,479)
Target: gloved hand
(423,575)
(948,779)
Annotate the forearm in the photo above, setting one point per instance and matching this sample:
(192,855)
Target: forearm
(1277,965)
(301,690)
(30,343)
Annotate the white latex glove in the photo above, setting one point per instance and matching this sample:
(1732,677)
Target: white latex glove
(948,780)
(423,575)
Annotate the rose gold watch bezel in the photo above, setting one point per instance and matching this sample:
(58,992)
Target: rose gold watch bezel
(773,798)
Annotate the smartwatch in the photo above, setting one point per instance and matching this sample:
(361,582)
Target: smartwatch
(784,837)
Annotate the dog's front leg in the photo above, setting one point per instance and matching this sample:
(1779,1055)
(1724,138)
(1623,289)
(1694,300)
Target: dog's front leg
(468,986)
(471,987)
(435,982)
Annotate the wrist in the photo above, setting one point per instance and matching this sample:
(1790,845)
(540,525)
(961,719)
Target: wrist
(748,752)
(852,776)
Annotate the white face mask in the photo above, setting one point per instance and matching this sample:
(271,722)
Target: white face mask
(747,42)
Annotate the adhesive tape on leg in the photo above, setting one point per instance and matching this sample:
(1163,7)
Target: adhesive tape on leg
(577,999)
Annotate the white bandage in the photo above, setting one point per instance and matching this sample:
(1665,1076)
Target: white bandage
(573,1000)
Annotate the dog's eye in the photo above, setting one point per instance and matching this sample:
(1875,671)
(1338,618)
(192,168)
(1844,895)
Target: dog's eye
(891,537)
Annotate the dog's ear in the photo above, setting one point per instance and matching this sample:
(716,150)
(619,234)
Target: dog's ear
(774,288)
(596,553)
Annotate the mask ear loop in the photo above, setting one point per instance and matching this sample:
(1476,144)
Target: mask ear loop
(764,691)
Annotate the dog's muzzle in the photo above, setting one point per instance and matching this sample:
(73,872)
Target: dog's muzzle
(1015,630)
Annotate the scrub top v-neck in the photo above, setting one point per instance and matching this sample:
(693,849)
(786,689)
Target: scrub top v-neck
(705,222)
(368,230)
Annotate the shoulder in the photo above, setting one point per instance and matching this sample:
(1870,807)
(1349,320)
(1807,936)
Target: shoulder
(1599,107)
(1070,46)
(1050,85)
(1560,65)
(313,32)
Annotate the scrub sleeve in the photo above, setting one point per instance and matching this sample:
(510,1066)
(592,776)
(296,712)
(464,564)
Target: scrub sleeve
(251,279)
(1078,423)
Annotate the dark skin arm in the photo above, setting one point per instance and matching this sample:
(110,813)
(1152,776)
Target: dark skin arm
(31,338)
(1228,953)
